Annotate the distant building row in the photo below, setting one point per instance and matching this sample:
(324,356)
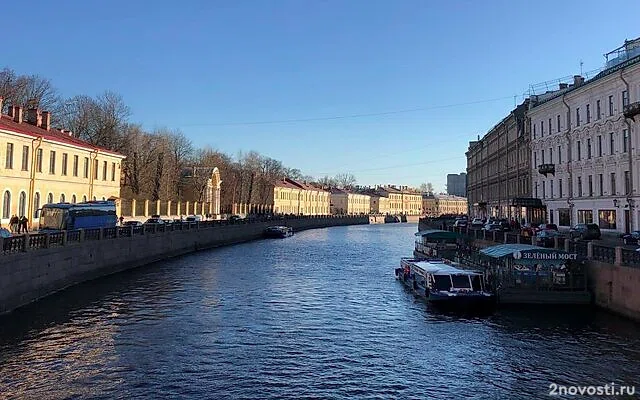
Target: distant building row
(442,204)
(570,155)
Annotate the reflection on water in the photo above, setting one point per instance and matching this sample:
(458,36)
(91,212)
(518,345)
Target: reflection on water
(315,315)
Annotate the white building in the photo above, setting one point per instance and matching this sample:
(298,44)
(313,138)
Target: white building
(586,146)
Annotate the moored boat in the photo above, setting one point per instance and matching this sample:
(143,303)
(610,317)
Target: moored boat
(445,285)
(278,232)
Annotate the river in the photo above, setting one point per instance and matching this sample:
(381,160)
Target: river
(318,315)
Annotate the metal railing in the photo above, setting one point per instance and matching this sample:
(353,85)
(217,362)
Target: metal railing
(27,242)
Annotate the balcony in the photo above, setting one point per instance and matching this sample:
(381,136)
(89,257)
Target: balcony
(631,110)
(545,169)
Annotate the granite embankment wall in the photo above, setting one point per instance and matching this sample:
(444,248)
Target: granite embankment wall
(33,274)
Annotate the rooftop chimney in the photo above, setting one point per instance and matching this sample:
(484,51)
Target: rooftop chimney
(46,120)
(563,86)
(33,117)
(578,80)
(16,113)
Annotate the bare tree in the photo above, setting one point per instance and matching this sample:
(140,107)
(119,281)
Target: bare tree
(426,188)
(345,180)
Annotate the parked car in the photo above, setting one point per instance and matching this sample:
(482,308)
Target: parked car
(167,221)
(492,226)
(460,223)
(505,224)
(631,237)
(154,221)
(477,223)
(132,223)
(529,229)
(193,218)
(585,232)
(546,237)
(545,227)
(234,218)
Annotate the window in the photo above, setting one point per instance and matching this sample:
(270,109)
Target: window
(560,187)
(22,204)
(610,106)
(627,182)
(551,189)
(550,155)
(613,184)
(579,186)
(86,167)
(568,119)
(104,171)
(536,191)
(50,198)
(598,111)
(564,218)
(585,217)
(541,128)
(6,205)
(95,169)
(84,198)
(73,199)
(590,185)
(559,155)
(534,131)
(39,160)
(551,216)
(52,162)
(588,148)
(558,122)
(577,116)
(75,165)
(601,184)
(607,219)
(65,156)
(62,198)
(25,158)
(611,143)
(588,113)
(544,190)
(599,145)
(625,141)
(9,162)
(549,125)
(535,160)
(625,98)
(113,171)
(579,153)
(36,205)
(542,155)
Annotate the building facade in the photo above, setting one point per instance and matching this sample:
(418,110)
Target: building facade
(450,205)
(585,146)
(402,200)
(45,165)
(429,206)
(300,198)
(379,204)
(350,203)
(499,171)
(457,184)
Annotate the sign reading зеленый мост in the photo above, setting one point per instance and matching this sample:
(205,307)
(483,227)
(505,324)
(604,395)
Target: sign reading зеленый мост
(538,255)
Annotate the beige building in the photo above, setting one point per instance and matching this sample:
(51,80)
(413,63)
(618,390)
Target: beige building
(450,205)
(379,204)
(348,202)
(300,198)
(402,200)
(43,165)
(429,206)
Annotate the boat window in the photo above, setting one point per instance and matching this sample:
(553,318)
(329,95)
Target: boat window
(461,281)
(441,282)
(476,282)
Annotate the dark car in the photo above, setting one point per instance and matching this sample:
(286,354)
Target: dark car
(132,223)
(585,232)
(505,225)
(545,227)
(460,223)
(492,227)
(529,229)
(154,221)
(477,223)
(546,237)
(631,238)
(234,218)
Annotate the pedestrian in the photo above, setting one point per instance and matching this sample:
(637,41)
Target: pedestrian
(24,224)
(121,220)
(14,224)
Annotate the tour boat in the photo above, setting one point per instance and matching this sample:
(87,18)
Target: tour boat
(278,232)
(444,285)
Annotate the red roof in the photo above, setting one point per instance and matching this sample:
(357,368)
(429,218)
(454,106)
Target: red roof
(54,135)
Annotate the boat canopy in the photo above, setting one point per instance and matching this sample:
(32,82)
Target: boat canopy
(527,253)
(438,234)
(440,268)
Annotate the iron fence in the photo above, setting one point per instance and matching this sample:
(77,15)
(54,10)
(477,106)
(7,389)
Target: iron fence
(603,253)
(630,258)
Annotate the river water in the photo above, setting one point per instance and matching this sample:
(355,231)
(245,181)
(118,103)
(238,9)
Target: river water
(317,315)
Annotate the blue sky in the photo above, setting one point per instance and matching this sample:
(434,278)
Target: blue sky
(209,67)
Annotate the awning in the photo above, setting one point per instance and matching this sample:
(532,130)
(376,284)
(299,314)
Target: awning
(527,252)
(438,234)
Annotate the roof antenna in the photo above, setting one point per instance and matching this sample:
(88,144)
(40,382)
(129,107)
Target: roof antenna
(581,63)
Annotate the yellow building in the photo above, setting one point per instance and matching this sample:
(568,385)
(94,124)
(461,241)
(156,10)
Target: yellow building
(300,198)
(450,205)
(351,203)
(402,200)
(40,165)
(429,205)
(379,204)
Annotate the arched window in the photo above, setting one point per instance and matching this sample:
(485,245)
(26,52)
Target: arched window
(94,198)
(50,198)
(6,205)
(103,199)
(22,204)
(73,199)
(84,198)
(62,198)
(36,205)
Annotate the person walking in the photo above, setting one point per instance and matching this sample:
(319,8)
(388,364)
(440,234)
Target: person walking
(24,224)
(14,224)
